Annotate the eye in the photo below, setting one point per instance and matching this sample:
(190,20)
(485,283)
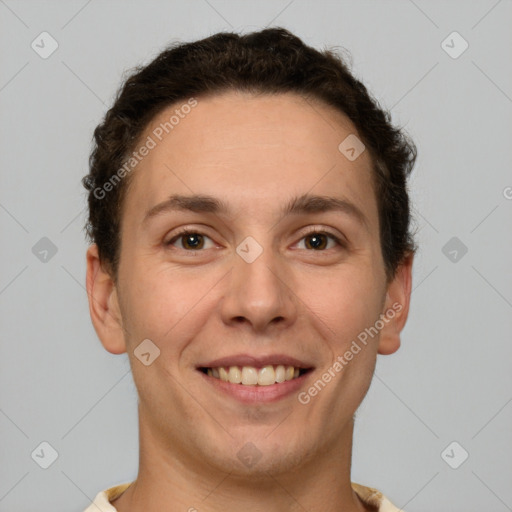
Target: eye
(190,240)
(317,240)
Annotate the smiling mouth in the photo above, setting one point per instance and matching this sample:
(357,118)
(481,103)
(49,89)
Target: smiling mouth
(252,376)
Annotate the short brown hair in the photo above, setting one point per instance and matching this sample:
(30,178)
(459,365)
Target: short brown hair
(269,61)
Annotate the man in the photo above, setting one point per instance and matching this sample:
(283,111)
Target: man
(252,255)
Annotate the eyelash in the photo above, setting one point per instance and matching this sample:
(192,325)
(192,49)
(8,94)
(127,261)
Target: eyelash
(312,231)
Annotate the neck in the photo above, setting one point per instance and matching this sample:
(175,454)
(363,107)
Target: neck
(168,481)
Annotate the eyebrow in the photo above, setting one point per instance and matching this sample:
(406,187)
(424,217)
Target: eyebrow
(304,204)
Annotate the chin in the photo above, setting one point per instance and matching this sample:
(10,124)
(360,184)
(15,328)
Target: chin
(259,457)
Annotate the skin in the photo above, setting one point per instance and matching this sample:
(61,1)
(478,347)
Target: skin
(255,153)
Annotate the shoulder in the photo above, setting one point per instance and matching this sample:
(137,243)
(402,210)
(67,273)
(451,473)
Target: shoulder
(101,502)
(374,499)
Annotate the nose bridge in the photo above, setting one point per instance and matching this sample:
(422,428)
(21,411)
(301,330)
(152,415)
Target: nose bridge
(257,289)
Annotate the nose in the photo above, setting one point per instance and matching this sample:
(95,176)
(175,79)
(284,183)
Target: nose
(258,294)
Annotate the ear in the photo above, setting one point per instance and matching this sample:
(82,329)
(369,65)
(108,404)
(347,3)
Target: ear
(103,304)
(396,307)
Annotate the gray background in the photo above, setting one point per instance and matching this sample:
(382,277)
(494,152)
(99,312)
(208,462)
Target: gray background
(451,379)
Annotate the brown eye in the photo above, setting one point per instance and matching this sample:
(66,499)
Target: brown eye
(193,241)
(190,240)
(318,240)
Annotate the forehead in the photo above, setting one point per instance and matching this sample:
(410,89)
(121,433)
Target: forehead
(250,150)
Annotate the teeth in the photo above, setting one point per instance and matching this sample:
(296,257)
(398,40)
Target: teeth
(234,375)
(266,376)
(280,373)
(250,376)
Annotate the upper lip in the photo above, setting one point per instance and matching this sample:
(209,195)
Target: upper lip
(256,361)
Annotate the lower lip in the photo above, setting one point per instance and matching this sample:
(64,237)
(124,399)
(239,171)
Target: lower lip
(258,394)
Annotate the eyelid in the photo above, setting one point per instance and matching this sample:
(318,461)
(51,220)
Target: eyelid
(320,230)
(186,231)
(339,239)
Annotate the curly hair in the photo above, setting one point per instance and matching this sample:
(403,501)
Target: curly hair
(268,61)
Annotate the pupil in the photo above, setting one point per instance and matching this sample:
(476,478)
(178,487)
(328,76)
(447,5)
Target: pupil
(192,237)
(316,242)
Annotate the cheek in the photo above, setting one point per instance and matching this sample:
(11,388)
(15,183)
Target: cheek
(165,305)
(347,301)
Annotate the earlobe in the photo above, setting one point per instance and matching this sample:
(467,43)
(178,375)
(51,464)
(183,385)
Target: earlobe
(396,308)
(104,304)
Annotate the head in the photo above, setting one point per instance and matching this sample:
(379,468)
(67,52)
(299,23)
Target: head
(296,243)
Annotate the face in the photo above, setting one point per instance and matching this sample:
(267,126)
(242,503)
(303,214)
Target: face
(267,278)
